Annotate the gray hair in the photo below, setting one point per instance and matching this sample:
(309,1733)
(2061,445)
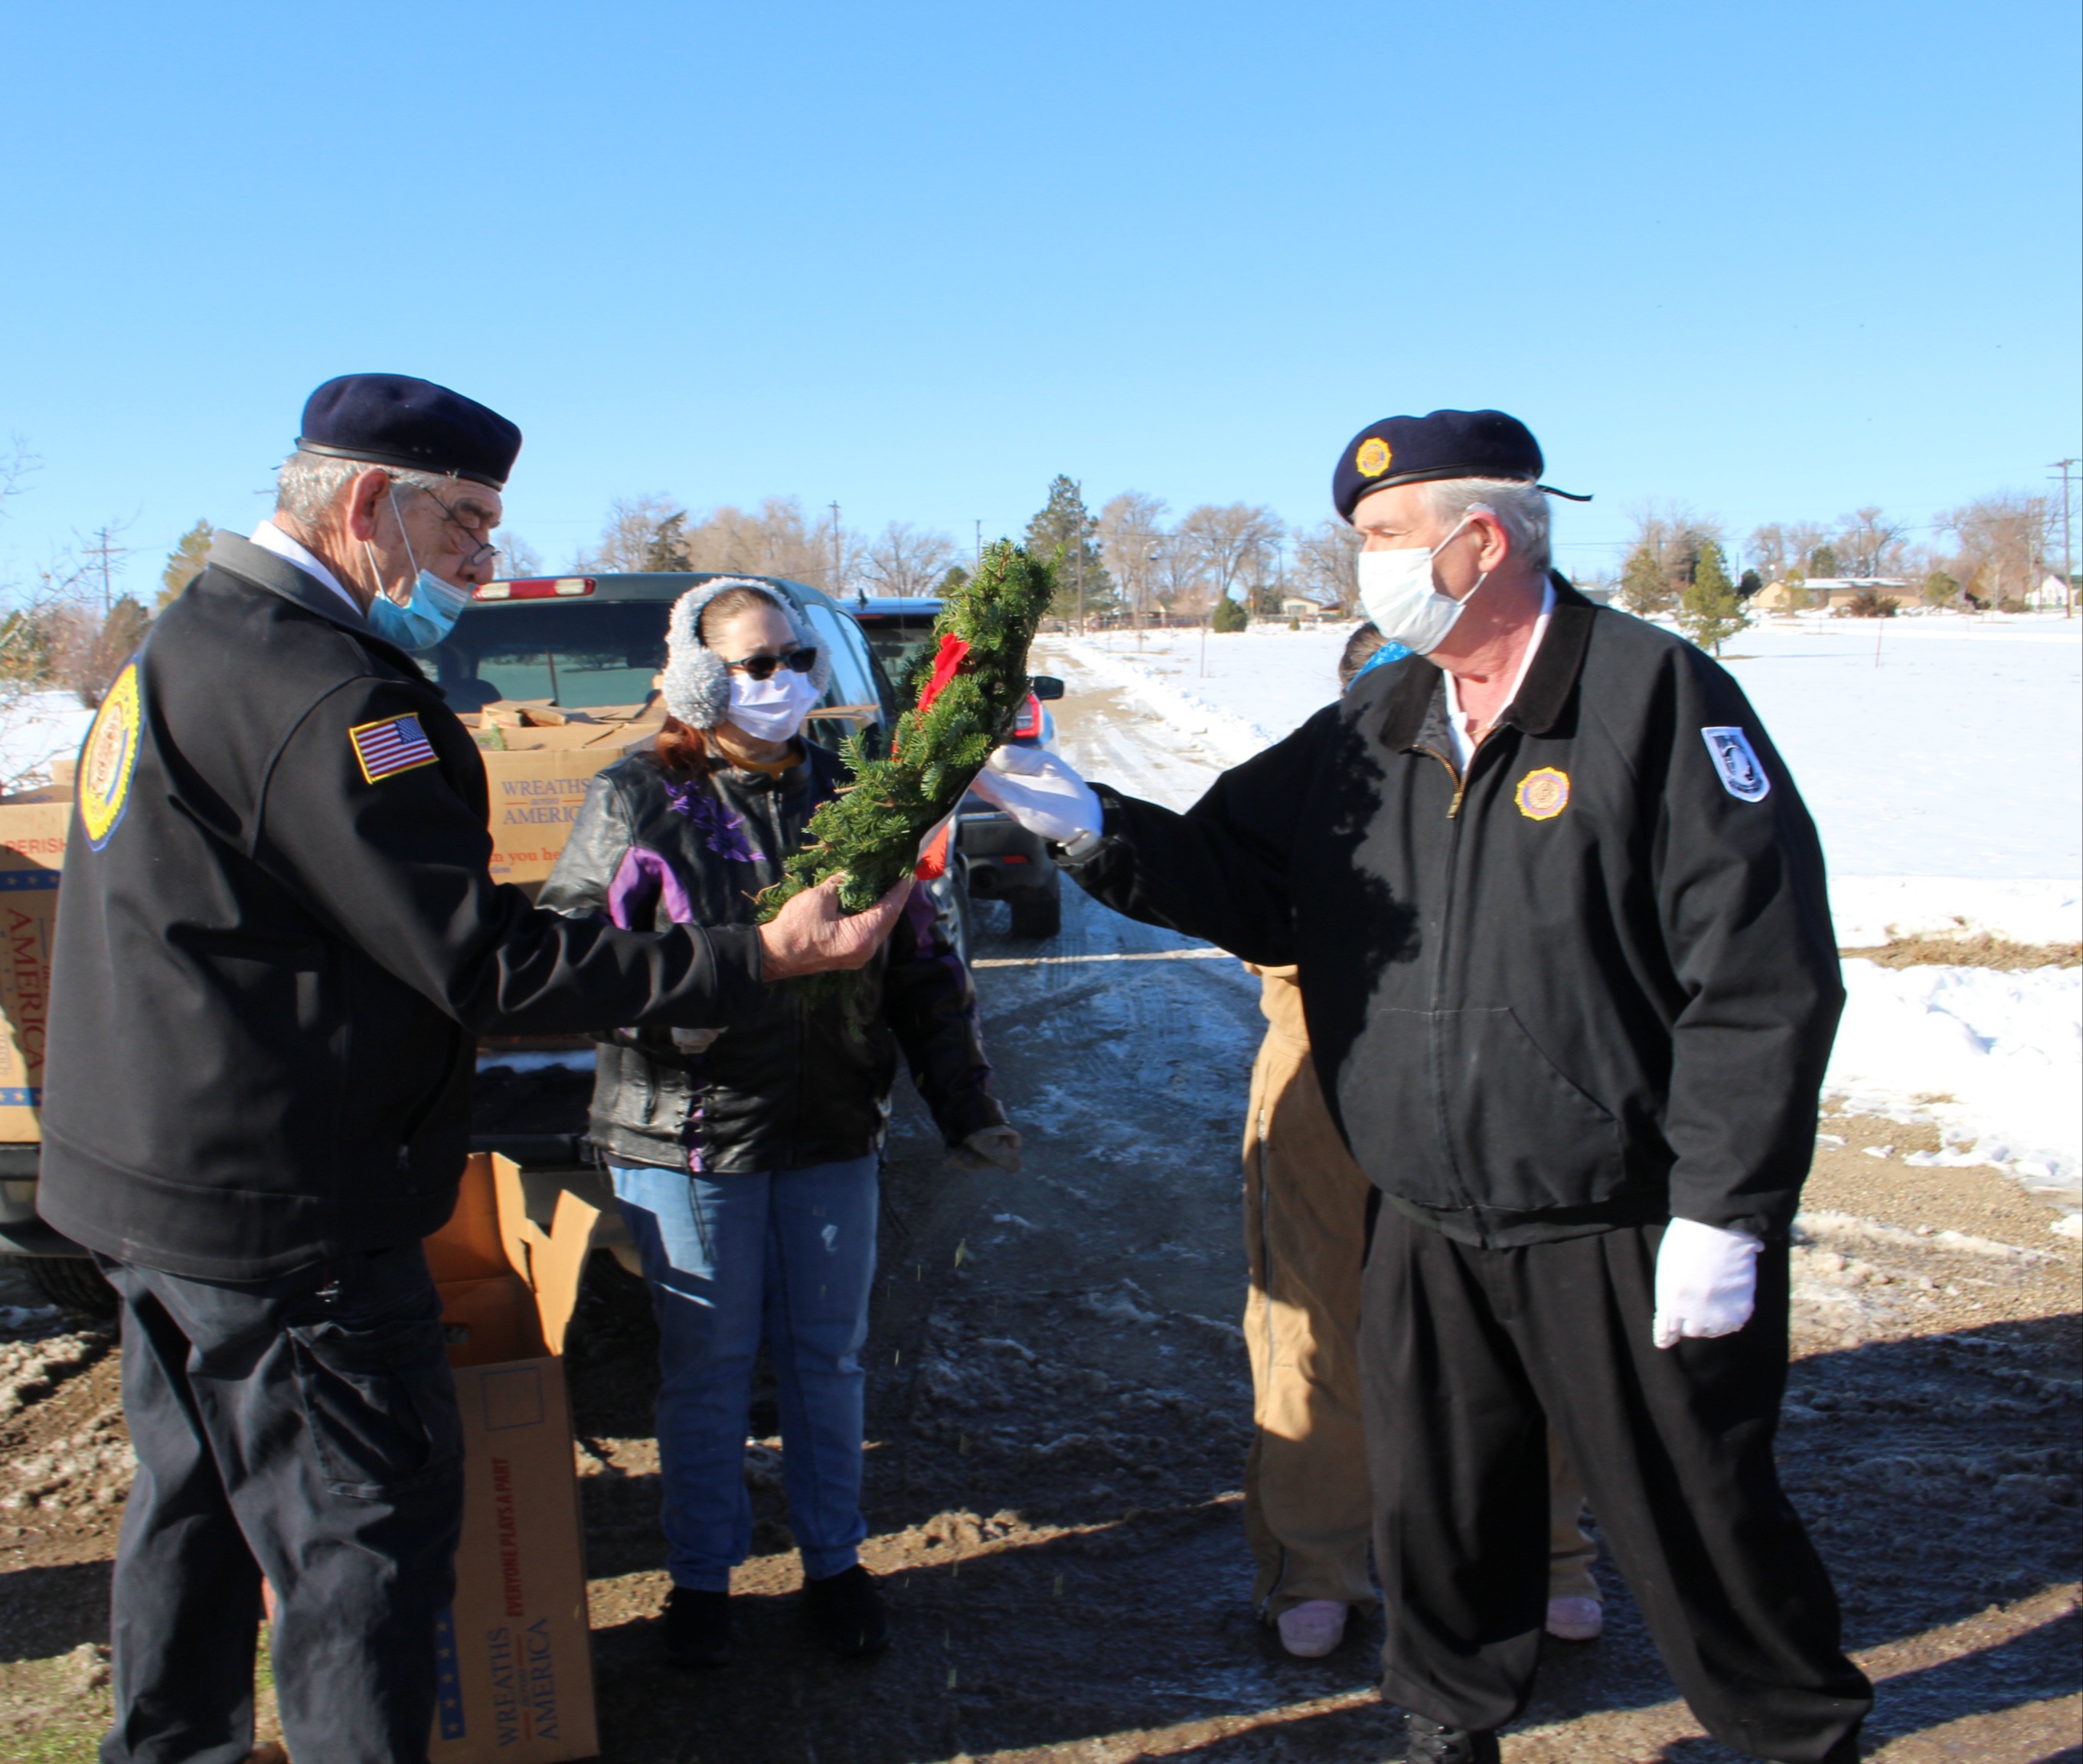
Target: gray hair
(1521,510)
(306,482)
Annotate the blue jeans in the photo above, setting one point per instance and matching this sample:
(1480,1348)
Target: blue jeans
(787,1254)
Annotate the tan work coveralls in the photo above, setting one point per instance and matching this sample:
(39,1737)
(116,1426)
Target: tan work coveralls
(1306,1505)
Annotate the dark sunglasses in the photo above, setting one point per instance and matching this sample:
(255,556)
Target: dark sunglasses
(762,667)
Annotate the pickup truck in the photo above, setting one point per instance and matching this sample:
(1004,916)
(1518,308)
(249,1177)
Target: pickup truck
(555,675)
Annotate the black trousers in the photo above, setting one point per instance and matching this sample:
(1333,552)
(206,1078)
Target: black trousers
(1466,1355)
(304,1429)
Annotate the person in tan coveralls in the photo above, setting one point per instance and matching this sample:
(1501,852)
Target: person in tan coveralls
(1307,1511)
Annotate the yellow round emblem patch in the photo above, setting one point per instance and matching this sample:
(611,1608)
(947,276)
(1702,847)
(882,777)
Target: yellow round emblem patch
(1543,795)
(109,758)
(1373,457)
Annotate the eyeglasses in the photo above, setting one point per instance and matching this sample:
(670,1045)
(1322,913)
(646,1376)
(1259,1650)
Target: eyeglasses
(762,667)
(481,550)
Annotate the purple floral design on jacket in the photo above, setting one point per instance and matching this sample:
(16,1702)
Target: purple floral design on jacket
(723,829)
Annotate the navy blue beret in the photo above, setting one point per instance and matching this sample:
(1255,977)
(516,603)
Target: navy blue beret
(1444,444)
(393,420)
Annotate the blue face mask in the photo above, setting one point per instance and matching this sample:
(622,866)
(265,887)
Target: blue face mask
(423,622)
(430,615)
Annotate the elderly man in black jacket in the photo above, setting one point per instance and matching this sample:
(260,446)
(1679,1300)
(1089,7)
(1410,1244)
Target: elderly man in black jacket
(278,939)
(1561,928)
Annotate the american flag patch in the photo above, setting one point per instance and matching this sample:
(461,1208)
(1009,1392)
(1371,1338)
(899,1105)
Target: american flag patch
(396,744)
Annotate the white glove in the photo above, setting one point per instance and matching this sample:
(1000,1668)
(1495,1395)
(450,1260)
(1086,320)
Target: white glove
(989,1148)
(1706,1281)
(1041,793)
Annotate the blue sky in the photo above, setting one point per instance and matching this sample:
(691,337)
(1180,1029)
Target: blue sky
(1775,260)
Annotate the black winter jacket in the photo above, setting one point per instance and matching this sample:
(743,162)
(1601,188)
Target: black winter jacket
(1590,983)
(277,935)
(805,1078)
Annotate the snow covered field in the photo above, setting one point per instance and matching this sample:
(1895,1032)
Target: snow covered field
(35,729)
(1947,781)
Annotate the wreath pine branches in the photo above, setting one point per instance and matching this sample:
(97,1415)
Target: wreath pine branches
(872,831)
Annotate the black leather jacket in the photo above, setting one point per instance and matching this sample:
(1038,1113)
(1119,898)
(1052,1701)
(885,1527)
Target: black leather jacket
(805,1079)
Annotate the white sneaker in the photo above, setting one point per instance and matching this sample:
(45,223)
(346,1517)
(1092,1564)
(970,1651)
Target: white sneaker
(1576,1618)
(1314,1627)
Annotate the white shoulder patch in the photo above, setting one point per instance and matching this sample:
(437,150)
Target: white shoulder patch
(1742,775)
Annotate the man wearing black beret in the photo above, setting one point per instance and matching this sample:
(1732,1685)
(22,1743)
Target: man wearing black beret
(1568,966)
(277,940)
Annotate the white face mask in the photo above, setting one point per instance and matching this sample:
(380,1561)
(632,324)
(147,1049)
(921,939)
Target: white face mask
(771,709)
(1395,588)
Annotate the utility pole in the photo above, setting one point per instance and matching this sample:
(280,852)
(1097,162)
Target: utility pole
(1081,587)
(836,586)
(979,543)
(2068,558)
(108,553)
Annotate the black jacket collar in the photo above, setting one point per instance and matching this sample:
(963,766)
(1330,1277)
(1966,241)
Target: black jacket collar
(1542,694)
(265,570)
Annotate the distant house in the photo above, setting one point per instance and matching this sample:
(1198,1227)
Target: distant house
(1825,594)
(1295,607)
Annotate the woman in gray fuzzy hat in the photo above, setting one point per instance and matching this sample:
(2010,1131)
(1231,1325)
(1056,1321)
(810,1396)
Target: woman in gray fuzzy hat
(746,1163)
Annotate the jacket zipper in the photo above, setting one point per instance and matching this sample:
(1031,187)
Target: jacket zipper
(1439,969)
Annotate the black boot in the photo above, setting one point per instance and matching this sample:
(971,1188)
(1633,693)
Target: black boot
(848,1612)
(697,1627)
(1431,1744)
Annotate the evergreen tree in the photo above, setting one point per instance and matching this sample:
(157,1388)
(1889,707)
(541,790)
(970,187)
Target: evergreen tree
(1710,611)
(667,552)
(1229,615)
(1645,588)
(184,562)
(956,577)
(1752,583)
(1822,560)
(1941,589)
(1064,521)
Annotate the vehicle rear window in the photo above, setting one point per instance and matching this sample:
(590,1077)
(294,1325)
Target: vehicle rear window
(602,652)
(898,638)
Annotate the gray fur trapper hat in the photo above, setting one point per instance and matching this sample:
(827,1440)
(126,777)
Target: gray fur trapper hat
(697,684)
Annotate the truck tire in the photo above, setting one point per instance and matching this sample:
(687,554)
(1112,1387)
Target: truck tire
(1040,914)
(74,1284)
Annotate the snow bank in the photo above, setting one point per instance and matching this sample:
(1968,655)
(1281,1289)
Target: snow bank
(35,730)
(1993,1057)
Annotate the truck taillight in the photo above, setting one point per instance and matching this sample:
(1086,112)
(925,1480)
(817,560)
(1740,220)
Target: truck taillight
(1028,728)
(535,588)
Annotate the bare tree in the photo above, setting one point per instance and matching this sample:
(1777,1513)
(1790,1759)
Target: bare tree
(1327,564)
(1234,543)
(2002,542)
(1766,548)
(1131,530)
(633,528)
(906,561)
(1804,539)
(1179,576)
(517,558)
(1870,543)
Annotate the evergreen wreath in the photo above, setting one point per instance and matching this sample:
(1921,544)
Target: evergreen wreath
(968,689)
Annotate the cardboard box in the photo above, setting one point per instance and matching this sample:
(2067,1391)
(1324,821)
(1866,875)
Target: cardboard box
(538,781)
(516,1661)
(32,842)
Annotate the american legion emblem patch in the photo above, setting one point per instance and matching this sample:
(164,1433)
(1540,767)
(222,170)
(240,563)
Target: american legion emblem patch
(397,744)
(109,760)
(1373,457)
(1543,793)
